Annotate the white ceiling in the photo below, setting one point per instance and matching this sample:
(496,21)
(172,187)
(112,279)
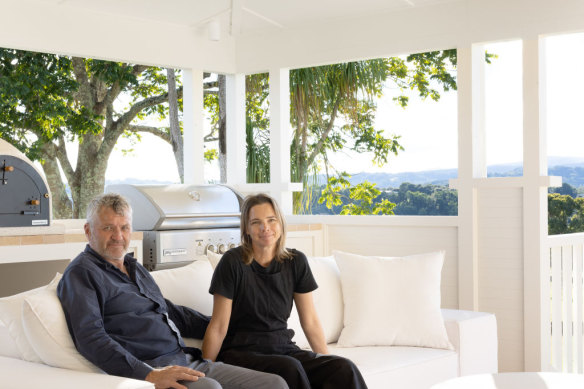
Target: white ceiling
(240,17)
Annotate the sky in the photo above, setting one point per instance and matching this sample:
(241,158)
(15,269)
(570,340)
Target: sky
(428,129)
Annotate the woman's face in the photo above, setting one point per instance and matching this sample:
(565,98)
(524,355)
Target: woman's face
(264,227)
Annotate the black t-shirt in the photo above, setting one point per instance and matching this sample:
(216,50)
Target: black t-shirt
(262,299)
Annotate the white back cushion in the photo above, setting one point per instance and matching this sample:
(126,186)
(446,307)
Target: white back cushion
(328,300)
(11,315)
(8,347)
(392,301)
(187,285)
(46,329)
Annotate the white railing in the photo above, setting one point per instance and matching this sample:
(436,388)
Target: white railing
(566,255)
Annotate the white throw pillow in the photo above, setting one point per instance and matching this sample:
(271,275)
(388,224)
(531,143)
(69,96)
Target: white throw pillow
(187,285)
(328,301)
(214,258)
(46,329)
(11,315)
(392,301)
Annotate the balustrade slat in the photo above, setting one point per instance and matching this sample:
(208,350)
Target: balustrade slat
(568,306)
(578,300)
(556,306)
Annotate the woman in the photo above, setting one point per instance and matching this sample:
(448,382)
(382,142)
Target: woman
(254,286)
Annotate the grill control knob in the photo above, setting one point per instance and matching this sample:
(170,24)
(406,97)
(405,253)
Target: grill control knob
(222,248)
(211,247)
(35,202)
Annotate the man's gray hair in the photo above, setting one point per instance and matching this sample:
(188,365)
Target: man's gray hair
(116,202)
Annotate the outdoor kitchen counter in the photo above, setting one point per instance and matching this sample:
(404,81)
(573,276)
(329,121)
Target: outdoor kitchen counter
(62,240)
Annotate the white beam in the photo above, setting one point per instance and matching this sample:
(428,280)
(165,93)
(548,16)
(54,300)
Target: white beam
(535,275)
(193,134)
(235,122)
(280,135)
(471,164)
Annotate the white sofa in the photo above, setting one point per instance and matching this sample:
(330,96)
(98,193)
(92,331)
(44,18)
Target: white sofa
(43,332)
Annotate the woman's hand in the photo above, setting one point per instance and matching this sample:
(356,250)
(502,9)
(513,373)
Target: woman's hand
(217,328)
(310,322)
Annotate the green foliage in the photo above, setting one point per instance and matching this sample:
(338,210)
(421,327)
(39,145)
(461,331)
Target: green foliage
(565,214)
(333,108)
(361,198)
(211,155)
(47,100)
(408,199)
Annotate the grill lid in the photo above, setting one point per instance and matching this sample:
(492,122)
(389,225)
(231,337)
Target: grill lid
(178,207)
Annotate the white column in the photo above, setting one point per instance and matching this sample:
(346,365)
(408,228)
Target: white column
(535,281)
(280,136)
(193,134)
(471,164)
(236,147)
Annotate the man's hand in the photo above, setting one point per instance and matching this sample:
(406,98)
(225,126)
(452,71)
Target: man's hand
(168,377)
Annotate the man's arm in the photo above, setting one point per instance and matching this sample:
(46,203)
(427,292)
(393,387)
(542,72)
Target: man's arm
(82,303)
(191,324)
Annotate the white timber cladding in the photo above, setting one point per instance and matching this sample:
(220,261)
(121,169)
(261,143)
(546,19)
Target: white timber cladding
(311,243)
(500,268)
(402,240)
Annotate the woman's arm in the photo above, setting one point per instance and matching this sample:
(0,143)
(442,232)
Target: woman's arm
(217,328)
(310,322)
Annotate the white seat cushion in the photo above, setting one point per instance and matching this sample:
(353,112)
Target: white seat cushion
(401,367)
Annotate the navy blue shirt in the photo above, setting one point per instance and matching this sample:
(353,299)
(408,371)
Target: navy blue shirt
(122,324)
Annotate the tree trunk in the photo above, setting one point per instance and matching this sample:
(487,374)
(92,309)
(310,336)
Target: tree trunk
(90,172)
(176,139)
(222,125)
(61,203)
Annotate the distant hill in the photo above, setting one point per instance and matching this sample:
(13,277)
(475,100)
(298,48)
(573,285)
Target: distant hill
(571,169)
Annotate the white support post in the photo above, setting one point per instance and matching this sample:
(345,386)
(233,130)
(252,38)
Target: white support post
(235,122)
(280,135)
(535,275)
(193,134)
(471,164)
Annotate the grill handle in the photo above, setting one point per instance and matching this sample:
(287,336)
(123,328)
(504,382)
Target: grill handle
(202,215)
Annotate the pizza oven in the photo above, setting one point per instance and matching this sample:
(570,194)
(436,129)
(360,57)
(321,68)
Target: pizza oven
(25,199)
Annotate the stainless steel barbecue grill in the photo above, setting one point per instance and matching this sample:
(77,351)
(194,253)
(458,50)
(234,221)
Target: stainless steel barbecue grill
(182,222)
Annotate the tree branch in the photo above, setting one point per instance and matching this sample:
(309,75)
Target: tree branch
(84,93)
(324,135)
(161,132)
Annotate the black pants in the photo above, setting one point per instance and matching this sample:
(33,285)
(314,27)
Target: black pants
(302,369)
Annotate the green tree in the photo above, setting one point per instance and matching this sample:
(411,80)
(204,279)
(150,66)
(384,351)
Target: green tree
(47,101)
(333,107)
(361,198)
(561,209)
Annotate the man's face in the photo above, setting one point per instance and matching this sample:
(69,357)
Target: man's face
(109,234)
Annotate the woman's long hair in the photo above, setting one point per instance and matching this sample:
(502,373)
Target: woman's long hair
(246,244)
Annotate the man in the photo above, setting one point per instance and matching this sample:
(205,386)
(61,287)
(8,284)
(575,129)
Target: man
(120,321)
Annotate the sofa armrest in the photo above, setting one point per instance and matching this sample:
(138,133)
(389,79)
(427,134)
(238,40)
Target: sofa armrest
(474,336)
(17,373)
